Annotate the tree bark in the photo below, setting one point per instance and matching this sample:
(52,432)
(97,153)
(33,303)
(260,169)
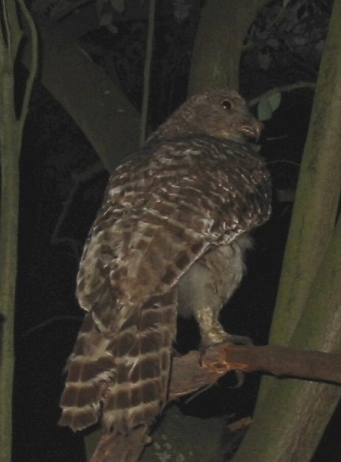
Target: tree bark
(219,42)
(317,194)
(290,417)
(97,105)
(194,370)
(10,145)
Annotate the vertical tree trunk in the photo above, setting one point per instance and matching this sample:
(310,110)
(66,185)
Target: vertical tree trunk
(291,415)
(10,144)
(318,191)
(219,42)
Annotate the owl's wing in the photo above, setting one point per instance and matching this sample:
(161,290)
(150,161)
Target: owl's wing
(162,210)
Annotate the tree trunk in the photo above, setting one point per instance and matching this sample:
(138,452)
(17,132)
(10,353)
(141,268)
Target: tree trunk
(291,416)
(10,145)
(219,43)
(96,104)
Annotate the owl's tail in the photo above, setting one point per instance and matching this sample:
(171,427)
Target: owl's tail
(142,351)
(122,377)
(89,371)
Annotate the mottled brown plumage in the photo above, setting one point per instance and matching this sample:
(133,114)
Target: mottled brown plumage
(170,236)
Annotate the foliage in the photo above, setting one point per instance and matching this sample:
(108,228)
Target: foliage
(288,35)
(267,105)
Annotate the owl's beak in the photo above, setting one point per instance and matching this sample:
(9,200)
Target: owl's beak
(253,130)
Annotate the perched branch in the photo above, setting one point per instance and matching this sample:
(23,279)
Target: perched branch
(194,371)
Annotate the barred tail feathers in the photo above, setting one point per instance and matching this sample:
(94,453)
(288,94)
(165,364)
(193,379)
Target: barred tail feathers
(122,377)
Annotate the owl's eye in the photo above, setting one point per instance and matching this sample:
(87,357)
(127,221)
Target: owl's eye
(226,104)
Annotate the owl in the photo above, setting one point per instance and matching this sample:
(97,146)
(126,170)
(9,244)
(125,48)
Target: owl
(169,239)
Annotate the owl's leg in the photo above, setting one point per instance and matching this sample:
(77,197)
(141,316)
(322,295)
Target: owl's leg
(208,285)
(212,332)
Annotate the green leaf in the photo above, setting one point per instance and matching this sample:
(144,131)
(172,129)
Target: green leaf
(264,110)
(267,105)
(275,101)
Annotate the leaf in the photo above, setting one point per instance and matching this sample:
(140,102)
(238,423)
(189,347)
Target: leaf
(267,105)
(264,110)
(285,3)
(275,101)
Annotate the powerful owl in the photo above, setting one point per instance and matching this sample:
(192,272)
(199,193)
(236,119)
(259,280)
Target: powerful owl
(169,238)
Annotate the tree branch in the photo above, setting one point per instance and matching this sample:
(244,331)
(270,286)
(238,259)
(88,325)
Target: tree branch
(194,371)
(282,89)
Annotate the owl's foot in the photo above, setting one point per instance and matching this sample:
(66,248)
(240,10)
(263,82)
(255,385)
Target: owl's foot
(225,340)
(212,332)
(238,339)
(215,337)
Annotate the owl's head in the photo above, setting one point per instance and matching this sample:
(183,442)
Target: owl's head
(219,113)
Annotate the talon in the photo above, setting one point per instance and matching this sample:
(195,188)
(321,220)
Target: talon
(226,338)
(240,340)
(240,377)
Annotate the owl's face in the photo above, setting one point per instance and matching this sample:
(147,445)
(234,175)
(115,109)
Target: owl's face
(220,113)
(224,114)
